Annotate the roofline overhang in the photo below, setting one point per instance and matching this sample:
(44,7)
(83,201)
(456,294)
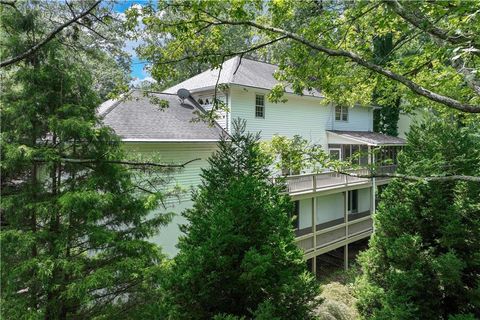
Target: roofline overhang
(345,136)
(170,140)
(351,138)
(197,90)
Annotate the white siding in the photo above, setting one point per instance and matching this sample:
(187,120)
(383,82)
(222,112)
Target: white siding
(187,178)
(359,119)
(178,153)
(305,215)
(222,115)
(330,207)
(364,199)
(406,120)
(303,116)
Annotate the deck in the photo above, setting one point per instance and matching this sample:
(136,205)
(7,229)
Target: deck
(317,182)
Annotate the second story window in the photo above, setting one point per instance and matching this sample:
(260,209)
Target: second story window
(259,106)
(341,113)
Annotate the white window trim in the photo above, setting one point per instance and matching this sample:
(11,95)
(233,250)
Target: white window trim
(255,110)
(342,108)
(336,149)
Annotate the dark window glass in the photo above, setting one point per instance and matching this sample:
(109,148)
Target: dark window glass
(346,154)
(296,214)
(259,106)
(344,113)
(352,201)
(363,155)
(355,154)
(338,113)
(335,154)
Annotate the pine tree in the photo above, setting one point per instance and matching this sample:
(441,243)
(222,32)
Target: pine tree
(238,255)
(423,261)
(74,226)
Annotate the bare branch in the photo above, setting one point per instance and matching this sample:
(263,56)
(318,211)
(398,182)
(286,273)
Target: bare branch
(129,163)
(49,37)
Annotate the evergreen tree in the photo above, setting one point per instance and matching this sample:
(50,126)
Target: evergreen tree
(73,223)
(238,255)
(423,261)
(385,118)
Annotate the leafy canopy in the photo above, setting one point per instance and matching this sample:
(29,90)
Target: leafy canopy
(329,45)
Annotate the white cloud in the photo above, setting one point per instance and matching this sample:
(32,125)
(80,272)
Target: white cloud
(136,82)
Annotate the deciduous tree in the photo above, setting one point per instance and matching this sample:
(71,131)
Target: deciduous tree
(329,45)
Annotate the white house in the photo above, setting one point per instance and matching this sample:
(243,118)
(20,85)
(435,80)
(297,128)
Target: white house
(333,210)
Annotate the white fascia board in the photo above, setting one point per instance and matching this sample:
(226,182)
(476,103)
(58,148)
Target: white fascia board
(268,90)
(170,140)
(358,141)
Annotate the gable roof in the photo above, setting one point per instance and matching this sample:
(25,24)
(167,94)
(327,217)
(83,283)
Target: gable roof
(136,117)
(369,138)
(243,72)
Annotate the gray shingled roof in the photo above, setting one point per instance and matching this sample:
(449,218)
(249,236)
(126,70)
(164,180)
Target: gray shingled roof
(249,73)
(137,118)
(368,137)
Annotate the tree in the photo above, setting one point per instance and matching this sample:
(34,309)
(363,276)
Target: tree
(292,156)
(385,118)
(88,29)
(73,222)
(238,255)
(329,45)
(423,256)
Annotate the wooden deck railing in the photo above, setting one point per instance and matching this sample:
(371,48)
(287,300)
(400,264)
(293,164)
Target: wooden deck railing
(314,182)
(339,232)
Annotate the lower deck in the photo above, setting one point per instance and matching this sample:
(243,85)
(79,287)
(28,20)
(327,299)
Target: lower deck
(333,219)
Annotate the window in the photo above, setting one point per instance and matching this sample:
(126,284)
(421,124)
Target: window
(341,113)
(335,153)
(259,106)
(296,215)
(353,201)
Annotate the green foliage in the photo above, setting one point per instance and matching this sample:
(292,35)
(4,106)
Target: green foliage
(423,260)
(292,156)
(238,255)
(73,234)
(446,67)
(385,96)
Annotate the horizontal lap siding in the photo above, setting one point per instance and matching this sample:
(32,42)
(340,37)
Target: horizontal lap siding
(298,116)
(359,119)
(176,153)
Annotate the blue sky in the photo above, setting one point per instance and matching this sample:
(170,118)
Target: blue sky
(138,66)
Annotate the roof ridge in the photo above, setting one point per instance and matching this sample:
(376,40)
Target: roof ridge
(116,103)
(236,65)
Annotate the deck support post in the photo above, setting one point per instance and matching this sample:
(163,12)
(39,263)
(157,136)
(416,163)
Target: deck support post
(374,200)
(345,251)
(345,257)
(314,230)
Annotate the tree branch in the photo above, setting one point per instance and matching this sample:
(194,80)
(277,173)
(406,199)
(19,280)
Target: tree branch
(129,163)
(413,178)
(49,37)
(447,101)
(421,22)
